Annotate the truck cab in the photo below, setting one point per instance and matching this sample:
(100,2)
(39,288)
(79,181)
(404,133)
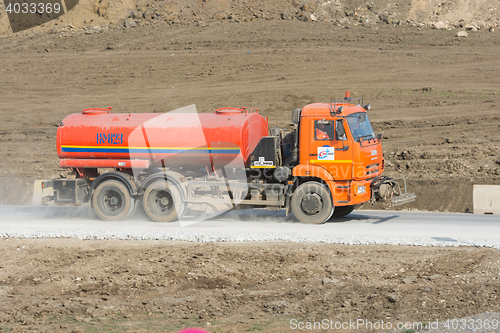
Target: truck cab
(338,149)
(349,152)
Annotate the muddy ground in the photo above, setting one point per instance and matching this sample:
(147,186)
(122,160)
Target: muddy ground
(435,96)
(142,286)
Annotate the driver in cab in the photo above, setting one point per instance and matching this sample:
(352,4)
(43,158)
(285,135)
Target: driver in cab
(320,130)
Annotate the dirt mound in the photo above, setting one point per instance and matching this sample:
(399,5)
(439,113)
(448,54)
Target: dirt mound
(89,14)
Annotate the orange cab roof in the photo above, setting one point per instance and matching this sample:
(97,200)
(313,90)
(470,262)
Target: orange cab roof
(323,109)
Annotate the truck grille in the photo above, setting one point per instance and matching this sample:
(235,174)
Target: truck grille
(372,168)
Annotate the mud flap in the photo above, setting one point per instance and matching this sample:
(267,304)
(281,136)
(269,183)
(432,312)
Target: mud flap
(289,196)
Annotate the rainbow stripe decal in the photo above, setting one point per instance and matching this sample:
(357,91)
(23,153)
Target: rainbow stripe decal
(155,150)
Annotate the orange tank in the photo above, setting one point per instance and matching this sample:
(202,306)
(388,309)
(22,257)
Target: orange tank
(224,138)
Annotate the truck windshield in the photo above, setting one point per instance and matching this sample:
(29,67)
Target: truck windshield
(360,126)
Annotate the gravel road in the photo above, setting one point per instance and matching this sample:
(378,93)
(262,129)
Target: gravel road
(361,227)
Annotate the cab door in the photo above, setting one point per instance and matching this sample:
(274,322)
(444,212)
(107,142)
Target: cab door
(329,148)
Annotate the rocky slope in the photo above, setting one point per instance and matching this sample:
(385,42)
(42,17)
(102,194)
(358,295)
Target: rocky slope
(441,14)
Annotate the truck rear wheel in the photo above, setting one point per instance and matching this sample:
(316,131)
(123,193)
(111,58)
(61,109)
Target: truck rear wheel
(342,211)
(162,201)
(312,203)
(112,201)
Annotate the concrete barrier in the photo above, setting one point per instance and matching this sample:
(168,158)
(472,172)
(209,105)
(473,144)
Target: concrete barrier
(486,199)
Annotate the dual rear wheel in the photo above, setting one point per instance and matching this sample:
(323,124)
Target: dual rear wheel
(112,201)
(162,201)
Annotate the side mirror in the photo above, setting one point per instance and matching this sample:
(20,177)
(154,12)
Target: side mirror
(340,130)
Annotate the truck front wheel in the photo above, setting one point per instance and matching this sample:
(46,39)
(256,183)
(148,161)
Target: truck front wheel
(112,201)
(312,203)
(162,201)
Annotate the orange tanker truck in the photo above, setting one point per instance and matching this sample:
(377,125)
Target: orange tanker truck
(174,164)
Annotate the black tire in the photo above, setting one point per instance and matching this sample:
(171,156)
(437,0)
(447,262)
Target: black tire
(162,201)
(342,211)
(112,201)
(312,203)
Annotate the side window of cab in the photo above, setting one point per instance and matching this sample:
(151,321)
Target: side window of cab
(323,130)
(340,131)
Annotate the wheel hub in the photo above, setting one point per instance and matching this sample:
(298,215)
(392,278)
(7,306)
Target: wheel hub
(311,203)
(164,201)
(113,200)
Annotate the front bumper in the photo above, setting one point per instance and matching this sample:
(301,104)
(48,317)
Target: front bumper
(348,193)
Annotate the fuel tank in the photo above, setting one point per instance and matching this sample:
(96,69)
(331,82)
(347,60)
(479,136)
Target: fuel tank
(224,138)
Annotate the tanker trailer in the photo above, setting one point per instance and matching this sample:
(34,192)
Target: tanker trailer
(178,163)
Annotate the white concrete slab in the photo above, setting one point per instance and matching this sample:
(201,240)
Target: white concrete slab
(486,199)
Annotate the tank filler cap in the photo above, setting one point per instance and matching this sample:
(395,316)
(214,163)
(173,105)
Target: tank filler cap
(97,110)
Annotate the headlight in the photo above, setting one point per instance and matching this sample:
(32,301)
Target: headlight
(361,189)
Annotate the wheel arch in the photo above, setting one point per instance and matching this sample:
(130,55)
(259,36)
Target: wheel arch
(170,176)
(322,182)
(307,172)
(122,177)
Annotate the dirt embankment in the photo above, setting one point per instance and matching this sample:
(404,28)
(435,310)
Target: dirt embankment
(74,285)
(93,15)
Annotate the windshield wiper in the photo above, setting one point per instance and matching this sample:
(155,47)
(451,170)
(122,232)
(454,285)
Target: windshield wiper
(368,137)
